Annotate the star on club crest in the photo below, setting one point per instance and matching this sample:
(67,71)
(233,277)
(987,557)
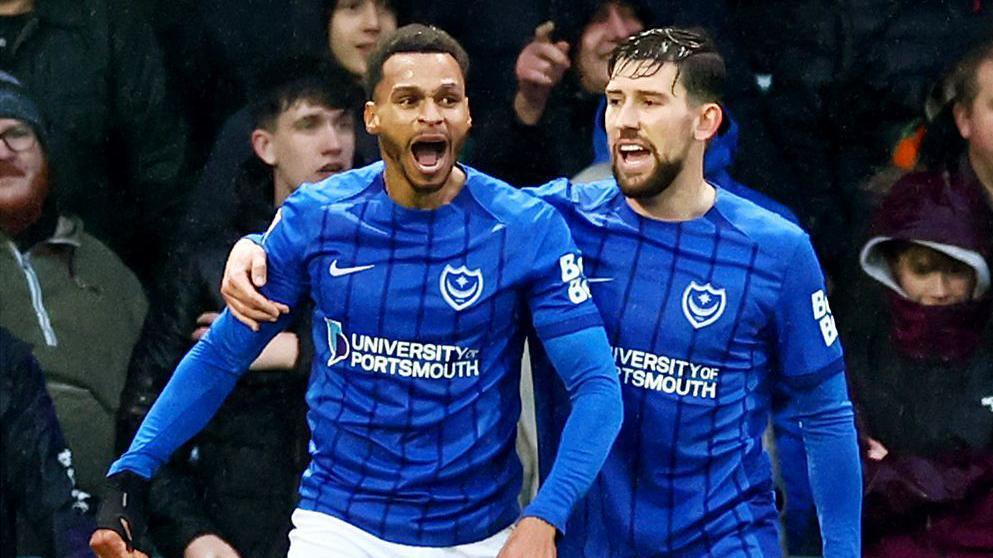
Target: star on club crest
(461,286)
(703,304)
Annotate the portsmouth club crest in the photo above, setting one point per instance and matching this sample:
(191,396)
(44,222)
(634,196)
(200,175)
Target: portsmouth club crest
(703,304)
(461,286)
(337,342)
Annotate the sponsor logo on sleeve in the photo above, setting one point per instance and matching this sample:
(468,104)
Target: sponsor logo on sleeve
(824,317)
(571,266)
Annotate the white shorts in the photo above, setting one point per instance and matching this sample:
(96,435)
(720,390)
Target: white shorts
(319,535)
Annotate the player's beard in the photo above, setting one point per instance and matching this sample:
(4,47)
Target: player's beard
(21,206)
(654,184)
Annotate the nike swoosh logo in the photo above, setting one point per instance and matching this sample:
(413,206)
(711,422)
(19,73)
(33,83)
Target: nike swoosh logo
(599,279)
(340,271)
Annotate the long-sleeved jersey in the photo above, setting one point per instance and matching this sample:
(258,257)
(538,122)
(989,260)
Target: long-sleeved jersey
(418,328)
(702,317)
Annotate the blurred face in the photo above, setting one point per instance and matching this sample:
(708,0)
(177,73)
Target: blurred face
(650,128)
(354,29)
(931,278)
(612,23)
(309,143)
(421,114)
(975,122)
(23,176)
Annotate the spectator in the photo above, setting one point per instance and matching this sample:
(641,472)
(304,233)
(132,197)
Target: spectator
(210,501)
(554,125)
(549,128)
(37,477)
(62,290)
(353,28)
(945,152)
(972,108)
(921,362)
(844,82)
(117,143)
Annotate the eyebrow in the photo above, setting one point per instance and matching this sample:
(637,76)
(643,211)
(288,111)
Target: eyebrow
(405,89)
(641,92)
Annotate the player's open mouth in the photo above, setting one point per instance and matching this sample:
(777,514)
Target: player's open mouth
(634,158)
(429,154)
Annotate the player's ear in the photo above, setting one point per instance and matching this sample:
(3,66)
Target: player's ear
(467,111)
(371,118)
(263,146)
(708,121)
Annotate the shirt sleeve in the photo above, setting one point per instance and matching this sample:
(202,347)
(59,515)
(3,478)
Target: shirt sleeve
(807,340)
(583,360)
(208,373)
(558,294)
(828,427)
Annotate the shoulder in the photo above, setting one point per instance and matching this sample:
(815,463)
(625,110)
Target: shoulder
(505,203)
(770,232)
(570,196)
(337,189)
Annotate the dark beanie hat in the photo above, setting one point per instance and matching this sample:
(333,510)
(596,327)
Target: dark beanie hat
(16,102)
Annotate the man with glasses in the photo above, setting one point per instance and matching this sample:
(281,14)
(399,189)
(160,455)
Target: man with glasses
(62,291)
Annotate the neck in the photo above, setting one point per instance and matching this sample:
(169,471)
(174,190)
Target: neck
(15,7)
(404,194)
(688,197)
(984,172)
(280,190)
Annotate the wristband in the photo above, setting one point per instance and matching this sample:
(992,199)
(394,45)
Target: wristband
(123,507)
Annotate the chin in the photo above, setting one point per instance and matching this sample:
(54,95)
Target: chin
(427,184)
(648,185)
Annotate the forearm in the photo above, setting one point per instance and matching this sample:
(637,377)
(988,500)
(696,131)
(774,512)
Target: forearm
(203,379)
(583,361)
(828,428)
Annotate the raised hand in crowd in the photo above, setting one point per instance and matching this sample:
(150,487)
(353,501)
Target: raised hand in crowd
(539,68)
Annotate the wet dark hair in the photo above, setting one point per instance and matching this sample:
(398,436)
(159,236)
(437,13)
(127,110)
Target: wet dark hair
(412,38)
(693,52)
(301,78)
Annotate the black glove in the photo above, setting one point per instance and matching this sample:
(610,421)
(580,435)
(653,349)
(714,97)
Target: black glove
(123,507)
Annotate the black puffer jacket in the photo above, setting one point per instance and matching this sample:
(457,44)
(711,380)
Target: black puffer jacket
(238,478)
(36,467)
(117,142)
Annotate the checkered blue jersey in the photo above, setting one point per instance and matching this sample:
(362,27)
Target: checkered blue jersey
(702,316)
(418,334)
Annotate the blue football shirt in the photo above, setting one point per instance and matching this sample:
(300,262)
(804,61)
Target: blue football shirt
(418,329)
(703,316)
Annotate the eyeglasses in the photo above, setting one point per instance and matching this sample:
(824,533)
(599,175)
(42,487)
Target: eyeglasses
(19,138)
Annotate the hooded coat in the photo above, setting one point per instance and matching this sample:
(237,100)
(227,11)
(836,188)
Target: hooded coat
(932,493)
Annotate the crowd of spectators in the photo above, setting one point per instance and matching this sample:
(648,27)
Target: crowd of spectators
(140,140)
